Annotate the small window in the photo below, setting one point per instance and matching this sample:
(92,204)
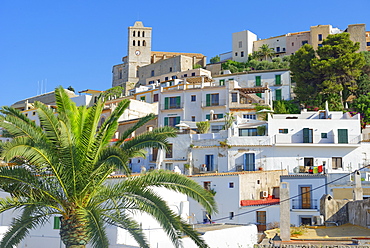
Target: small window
(277,49)
(138,43)
(241,54)
(143,34)
(144,43)
(304,42)
(236,54)
(169,151)
(142,98)
(193,74)
(324,135)
(283,130)
(320,45)
(258,181)
(231,215)
(34,113)
(193,118)
(234,97)
(292,43)
(231,185)
(207,185)
(337,163)
(240,44)
(367,43)
(319,37)
(166,78)
(155,98)
(185,75)
(193,98)
(133,34)
(26,114)
(168,166)
(170,69)
(249,116)
(174,77)
(222,82)
(152,73)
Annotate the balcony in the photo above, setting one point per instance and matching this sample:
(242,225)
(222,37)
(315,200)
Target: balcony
(220,102)
(171,106)
(299,204)
(330,140)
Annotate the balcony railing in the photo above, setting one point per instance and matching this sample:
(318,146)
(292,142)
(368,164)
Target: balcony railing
(220,102)
(299,204)
(171,106)
(316,139)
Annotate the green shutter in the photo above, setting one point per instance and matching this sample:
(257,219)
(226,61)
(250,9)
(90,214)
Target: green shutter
(219,116)
(343,136)
(278,95)
(259,94)
(208,100)
(166,121)
(306,135)
(278,79)
(208,117)
(222,82)
(178,101)
(142,98)
(258,80)
(56,222)
(177,120)
(166,100)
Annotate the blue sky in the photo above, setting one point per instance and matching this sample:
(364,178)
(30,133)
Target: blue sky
(76,42)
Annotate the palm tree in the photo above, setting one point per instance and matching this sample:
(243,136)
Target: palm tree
(65,164)
(266,52)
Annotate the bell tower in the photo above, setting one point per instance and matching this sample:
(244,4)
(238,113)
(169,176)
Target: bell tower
(139,49)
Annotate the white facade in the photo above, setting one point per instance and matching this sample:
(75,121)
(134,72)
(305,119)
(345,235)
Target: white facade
(242,45)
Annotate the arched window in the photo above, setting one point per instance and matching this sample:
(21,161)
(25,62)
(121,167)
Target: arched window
(138,33)
(144,43)
(143,34)
(138,43)
(133,33)
(133,43)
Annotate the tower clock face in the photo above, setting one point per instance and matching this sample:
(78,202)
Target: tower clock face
(137,52)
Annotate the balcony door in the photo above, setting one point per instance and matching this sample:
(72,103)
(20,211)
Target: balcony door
(306,197)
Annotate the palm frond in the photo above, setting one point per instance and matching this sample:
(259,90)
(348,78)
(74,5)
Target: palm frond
(96,225)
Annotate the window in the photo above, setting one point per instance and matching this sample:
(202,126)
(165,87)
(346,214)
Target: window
(155,98)
(278,79)
(193,118)
(133,43)
(247,131)
(166,78)
(231,185)
(172,102)
(174,77)
(133,34)
(152,73)
(307,135)
(56,222)
(216,128)
(249,161)
(234,97)
(304,42)
(171,121)
(283,130)
(343,136)
(154,154)
(143,34)
(367,43)
(278,94)
(241,54)
(277,49)
(231,215)
(170,69)
(209,162)
(215,116)
(249,116)
(207,185)
(138,33)
(240,44)
(212,99)
(258,80)
(169,151)
(138,43)
(336,163)
(222,82)
(26,114)
(320,45)
(193,74)
(236,54)
(324,135)
(168,166)
(144,43)
(319,37)
(305,197)
(142,98)
(185,75)
(193,98)
(292,43)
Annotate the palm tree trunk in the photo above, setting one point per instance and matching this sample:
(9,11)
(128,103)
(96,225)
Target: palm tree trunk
(73,231)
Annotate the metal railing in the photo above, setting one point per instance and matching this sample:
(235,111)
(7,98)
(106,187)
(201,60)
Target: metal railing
(299,204)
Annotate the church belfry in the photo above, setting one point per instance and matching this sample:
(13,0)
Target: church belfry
(139,49)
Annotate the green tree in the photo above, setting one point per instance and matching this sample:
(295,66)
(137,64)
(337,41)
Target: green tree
(265,52)
(339,64)
(112,93)
(361,105)
(363,81)
(203,126)
(215,59)
(229,120)
(286,107)
(65,164)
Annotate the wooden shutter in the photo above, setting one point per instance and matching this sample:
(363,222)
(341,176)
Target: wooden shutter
(178,102)
(166,101)
(166,121)
(306,135)
(208,100)
(343,136)
(258,80)
(219,116)
(177,120)
(278,94)
(208,117)
(56,222)
(278,79)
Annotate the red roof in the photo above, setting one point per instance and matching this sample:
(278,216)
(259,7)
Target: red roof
(267,201)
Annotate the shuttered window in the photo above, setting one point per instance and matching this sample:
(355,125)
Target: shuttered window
(343,136)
